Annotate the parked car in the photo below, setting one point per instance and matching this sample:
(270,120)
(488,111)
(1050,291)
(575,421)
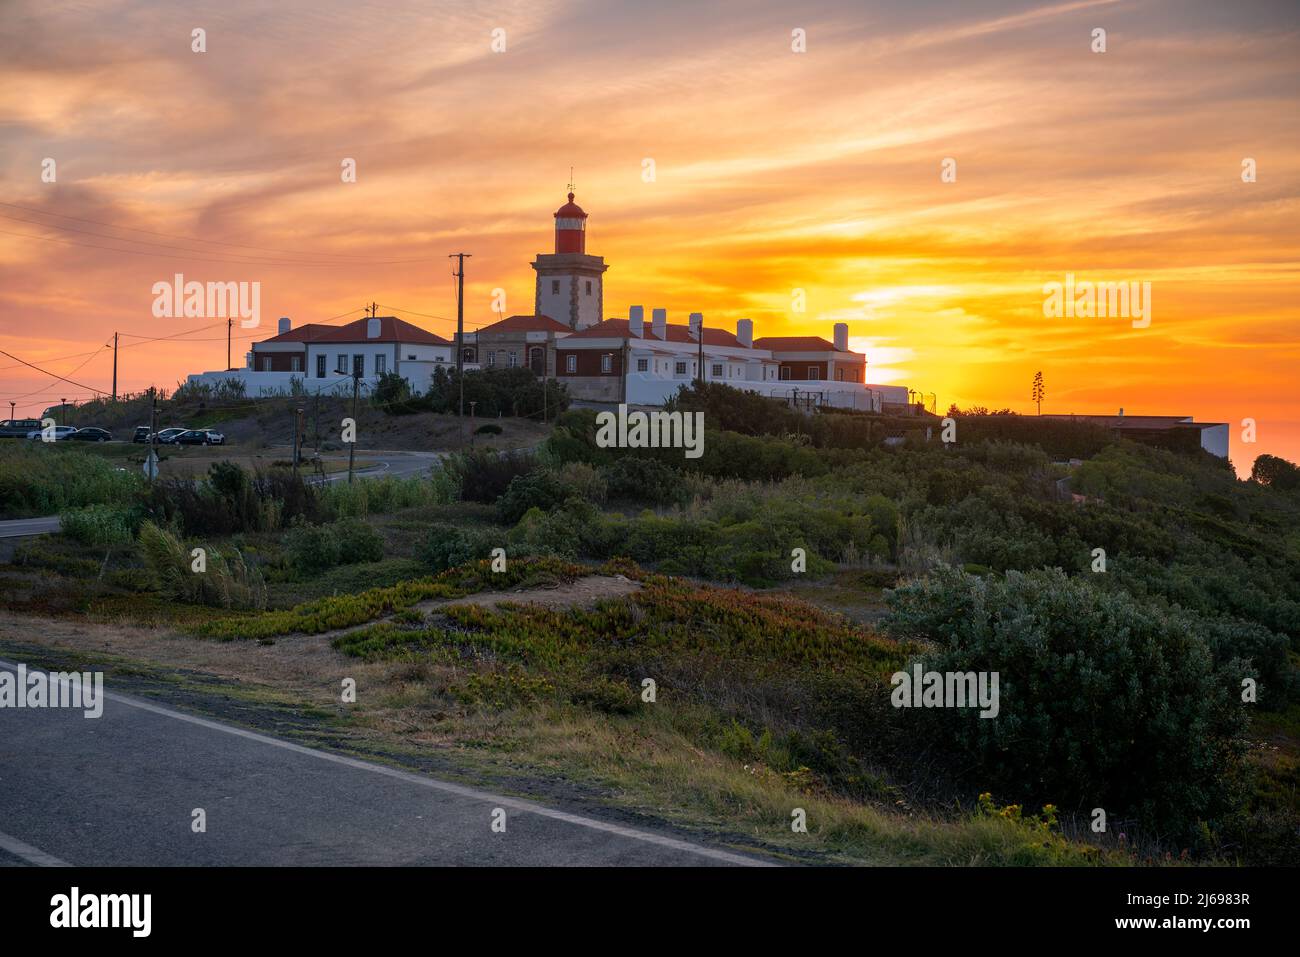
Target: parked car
(60,432)
(18,428)
(141,434)
(169,436)
(200,437)
(91,434)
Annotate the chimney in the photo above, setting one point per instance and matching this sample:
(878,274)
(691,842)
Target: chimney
(285,325)
(636,321)
(1121,413)
(372,327)
(659,323)
(745,332)
(841,337)
(696,324)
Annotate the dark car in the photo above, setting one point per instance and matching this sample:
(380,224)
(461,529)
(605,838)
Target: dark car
(91,435)
(168,436)
(18,428)
(141,434)
(200,437)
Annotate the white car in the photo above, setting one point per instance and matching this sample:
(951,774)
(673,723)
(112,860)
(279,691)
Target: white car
(60,432)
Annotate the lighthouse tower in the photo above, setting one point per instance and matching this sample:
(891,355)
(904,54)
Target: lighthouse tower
(569,282)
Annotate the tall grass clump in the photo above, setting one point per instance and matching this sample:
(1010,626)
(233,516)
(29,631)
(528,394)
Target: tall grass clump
(228,581)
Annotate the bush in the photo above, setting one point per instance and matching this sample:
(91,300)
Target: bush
(540,488)
(490,428)
(37,480)
(644,480)
(446,546)
(483,475)
(314,548)
(1104,701)
(99,524)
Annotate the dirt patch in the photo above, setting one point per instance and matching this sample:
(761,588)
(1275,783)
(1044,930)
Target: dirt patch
(582,593)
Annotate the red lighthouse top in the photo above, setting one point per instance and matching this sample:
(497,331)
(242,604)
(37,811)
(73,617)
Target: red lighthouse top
(570,228)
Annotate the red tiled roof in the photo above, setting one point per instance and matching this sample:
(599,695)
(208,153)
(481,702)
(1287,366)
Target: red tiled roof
(794,344)
(391,329)
(618,329)
(526,324)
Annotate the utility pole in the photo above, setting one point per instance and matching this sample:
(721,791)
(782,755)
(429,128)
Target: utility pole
(115,368)
(11,410)
(460,323)
(63,408)
(352,446)
(297,438)
(153,432)
(230,323)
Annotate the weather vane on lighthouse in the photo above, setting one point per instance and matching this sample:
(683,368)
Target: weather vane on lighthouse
(570,179)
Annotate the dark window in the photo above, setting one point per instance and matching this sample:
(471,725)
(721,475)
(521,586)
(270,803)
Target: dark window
(570,364)
(343,363)
(588,287)
(717,370)
(555,287)
(266,364)
(785,372)
(680,368)
(320,366)
(358,366)
(642,365)
(381,364)
(814,372)
(607,363)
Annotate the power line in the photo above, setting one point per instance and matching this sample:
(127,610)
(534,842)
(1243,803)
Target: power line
(80,385)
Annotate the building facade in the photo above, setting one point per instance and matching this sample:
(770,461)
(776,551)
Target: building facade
(321,358)
(517,342)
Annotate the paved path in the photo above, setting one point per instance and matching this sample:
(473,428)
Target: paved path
(121,790)
(24,527)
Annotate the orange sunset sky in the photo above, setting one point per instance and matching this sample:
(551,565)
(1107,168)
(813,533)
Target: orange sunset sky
(774,171)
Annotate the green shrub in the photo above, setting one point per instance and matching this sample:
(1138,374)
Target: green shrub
(488,428)
(446,546)
(644,480)
(314,548)
(36,479)
(1104,701)
(540,488)
(99,524)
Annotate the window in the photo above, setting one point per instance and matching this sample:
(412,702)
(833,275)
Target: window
(642,365)
(358,366)
(680,368)
(512,360)
(785,372)
(555,287)
(412,357)
(266,364)
(468,355)
(606,363)
(295,363)
(320,366)
(570,364)
(381,364)
(814,372)
(343,363)
(717,370)
(588,287)
(492,360)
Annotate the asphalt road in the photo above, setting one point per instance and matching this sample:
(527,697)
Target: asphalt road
(121,789)
(24,527)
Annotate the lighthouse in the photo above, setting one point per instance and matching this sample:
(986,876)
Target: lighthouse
(570,282)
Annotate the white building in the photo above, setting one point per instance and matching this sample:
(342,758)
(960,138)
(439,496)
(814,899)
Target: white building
(325,358)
